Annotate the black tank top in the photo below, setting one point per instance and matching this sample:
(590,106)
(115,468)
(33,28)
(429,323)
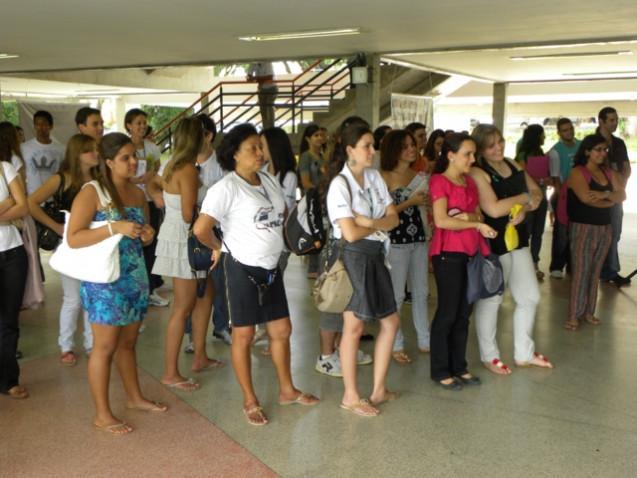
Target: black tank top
(410,229)
(585,214)
(505,188)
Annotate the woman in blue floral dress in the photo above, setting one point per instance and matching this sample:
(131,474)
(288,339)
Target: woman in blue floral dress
(115,309)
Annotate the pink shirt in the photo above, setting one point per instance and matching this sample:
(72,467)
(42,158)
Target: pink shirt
(464,198)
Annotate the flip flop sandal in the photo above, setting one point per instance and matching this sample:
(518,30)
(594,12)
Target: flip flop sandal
(124,428)
(401,357)
(363,408)
(157,407)
(303,399)
(593,320)
(539,357)
(17,392)
(255,416)
(571,326)
(189,385)
(499,364)
(68,358)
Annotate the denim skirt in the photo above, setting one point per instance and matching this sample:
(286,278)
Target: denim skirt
(373,296)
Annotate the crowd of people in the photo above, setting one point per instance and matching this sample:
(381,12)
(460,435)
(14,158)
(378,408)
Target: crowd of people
(397,204)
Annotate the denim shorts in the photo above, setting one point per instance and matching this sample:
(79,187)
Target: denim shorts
(373,296)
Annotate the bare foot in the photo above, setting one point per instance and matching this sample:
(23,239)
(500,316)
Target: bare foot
(147,406)
(591,319)
(386,396)
(18,392)
(208,364)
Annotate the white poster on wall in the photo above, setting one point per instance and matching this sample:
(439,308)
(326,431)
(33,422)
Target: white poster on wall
(63,119)
(407,109)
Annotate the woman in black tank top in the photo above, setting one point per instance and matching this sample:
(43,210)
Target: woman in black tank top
(592,190)
(501,186)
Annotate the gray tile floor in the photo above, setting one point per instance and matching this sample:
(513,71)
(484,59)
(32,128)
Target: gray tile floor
(578,420)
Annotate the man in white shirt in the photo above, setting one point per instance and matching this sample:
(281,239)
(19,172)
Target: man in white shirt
(42,156)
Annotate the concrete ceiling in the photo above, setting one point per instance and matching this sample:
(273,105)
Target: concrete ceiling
(472,37)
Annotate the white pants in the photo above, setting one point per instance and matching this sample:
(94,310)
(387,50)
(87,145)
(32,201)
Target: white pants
(519,277)
(71,308)
(410,261)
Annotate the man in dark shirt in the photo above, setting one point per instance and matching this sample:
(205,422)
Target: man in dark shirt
(619,162)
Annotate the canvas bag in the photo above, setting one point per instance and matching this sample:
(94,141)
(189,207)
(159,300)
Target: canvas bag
(333,289)
(98,263)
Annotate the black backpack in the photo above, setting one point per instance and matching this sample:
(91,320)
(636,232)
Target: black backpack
(303,230)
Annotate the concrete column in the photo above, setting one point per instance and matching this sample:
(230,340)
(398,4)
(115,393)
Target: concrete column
(368,95)
(119,111)
(499,111)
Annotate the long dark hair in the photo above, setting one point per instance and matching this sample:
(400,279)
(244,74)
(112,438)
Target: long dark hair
(350,136)
(430,147)
(9,142)
(110,145)
(307,134)
(280,152)
(531,142)
(453,143)
(77,145)
(585,147)
(392,147)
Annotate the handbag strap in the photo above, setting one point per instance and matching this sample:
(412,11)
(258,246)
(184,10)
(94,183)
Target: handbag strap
(103,196)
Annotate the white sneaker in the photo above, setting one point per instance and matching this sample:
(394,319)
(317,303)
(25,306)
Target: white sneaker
(557,274)
(329,366)
(362,358)
(157,300)
(189,348)
(259,335)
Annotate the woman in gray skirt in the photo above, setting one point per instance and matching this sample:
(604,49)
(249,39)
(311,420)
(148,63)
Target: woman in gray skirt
(362,211)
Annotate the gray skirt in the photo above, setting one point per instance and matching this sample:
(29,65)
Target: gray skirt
(373,296)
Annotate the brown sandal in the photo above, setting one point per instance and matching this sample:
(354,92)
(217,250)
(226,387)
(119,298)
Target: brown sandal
(401,357)
(571,326)
(255,416)
(17,392)
(591,319)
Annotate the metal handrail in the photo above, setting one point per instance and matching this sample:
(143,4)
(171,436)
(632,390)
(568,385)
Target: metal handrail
(294,95)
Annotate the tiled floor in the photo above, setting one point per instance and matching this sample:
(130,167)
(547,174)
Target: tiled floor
(577,420)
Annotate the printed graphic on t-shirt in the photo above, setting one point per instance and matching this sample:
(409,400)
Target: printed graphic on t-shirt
(266,219)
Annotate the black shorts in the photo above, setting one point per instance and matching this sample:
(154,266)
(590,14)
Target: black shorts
(373,296)
(242,296)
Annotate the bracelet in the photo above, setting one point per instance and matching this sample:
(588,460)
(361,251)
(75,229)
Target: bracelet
(110,228)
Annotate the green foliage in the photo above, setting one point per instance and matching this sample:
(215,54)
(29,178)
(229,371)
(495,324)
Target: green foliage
(9,112)
(159,116)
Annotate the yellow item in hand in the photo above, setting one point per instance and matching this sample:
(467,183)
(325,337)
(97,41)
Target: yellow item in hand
(511,238)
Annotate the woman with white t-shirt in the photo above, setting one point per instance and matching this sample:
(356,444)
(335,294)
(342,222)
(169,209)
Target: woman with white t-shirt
(362,211)
(249,205)
(13,273)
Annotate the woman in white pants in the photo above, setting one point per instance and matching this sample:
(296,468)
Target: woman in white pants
(408,252)
(501,186)
(77,168)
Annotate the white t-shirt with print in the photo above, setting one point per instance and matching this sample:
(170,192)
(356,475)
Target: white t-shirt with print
(9,235)
(42,161)
(17,162)
(251,218)
(371,200)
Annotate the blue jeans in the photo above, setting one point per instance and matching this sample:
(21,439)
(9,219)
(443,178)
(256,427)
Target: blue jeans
(220,311)
(611,266)
(409,261)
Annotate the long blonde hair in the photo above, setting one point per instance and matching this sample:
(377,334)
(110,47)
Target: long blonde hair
(189,141)
(77,145)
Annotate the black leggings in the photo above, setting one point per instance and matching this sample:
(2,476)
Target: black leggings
(450,327)
(154,281)
(13,277)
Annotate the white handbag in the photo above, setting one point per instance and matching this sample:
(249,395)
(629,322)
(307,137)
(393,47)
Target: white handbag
(97,263)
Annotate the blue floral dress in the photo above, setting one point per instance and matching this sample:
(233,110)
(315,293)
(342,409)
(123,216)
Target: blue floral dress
(124,301)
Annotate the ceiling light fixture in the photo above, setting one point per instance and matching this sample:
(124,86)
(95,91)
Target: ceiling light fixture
(6,56)
(301,35)
(561,56)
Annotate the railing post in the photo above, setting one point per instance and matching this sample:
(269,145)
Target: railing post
(293,109)
(221,108)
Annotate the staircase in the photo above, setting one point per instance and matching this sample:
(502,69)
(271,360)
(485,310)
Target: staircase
(323,95)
